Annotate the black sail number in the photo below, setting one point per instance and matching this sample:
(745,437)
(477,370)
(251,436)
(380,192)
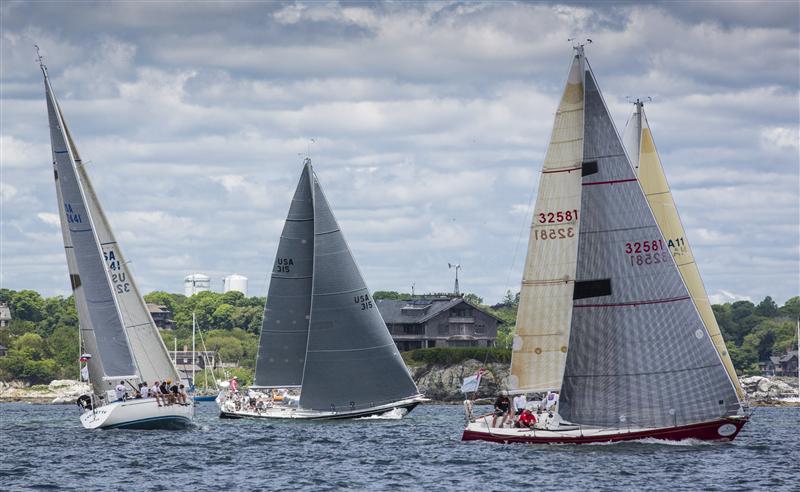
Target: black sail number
(364,301)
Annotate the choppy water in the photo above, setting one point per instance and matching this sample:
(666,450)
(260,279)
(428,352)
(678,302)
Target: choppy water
(44,446)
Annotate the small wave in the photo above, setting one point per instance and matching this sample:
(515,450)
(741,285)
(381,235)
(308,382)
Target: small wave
(393,414)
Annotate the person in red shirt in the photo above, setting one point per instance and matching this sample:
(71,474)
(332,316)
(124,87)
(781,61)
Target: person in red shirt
(526,419)
(234,384)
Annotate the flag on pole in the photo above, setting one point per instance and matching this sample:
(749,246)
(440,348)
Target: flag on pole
(471,383)
(85,357)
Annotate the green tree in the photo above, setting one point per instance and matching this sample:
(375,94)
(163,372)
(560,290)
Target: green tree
(791,309)
(27,305)
(767,308)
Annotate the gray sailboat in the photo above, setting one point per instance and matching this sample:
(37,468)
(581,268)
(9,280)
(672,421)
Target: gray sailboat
(324,351)
(121,342)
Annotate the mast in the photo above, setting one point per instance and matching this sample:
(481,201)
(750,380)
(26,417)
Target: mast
(194,353)
(641,149)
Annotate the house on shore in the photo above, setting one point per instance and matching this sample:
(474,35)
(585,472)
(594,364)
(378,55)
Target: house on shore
(162,316)
(783,365)
(438,321)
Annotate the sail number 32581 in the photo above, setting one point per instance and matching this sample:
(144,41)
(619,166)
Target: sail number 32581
(557,217)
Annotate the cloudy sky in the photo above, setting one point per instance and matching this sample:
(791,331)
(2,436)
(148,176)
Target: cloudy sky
(430,123)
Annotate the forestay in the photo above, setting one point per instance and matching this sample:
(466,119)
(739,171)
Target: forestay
(639,353)
(351,362)
(641,149)
(98,314)
(284,330)
(545,306)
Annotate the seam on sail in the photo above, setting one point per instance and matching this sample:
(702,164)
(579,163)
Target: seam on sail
(355,349)
(298,220)
(106,244)
(326,232)
(606,156)
(613,181)
(622,229)
(547,282)
(561,170)
(637,303)
(292,278)
(340,292)
(80,230)
(671,371)
(60,151)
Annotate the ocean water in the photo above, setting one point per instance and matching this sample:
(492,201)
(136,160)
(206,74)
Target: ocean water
(44,447)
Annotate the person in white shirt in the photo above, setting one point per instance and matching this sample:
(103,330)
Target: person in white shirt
(519,403)
(551,401)
(144,390)
(154,391)
(120,391)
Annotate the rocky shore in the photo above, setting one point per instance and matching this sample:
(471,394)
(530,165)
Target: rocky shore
(437,382)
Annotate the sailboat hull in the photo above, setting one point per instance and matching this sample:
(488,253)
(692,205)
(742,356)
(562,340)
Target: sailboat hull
(399,408)
(724,429)
(139,414)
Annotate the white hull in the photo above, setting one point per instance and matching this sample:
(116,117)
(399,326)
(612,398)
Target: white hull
(138,414)
(227,409)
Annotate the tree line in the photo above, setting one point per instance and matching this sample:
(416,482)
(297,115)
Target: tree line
(42,338)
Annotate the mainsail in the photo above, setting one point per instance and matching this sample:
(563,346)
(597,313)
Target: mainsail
(641,149)
(116,328)
(96,306)
(351,361)
(284,330)
(639,353)
(545,306)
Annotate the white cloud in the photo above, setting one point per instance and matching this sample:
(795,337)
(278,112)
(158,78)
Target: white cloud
(49,219)
(724,296)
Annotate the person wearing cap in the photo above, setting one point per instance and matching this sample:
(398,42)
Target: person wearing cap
(234,384)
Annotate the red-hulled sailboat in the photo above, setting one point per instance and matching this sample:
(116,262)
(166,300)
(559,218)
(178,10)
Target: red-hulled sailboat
(605,318)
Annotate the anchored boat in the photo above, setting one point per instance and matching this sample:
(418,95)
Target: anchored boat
(121,342)
(324,351)
(606,318)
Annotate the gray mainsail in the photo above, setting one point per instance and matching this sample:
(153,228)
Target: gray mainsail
(351,362)
(284,330)
(639,354)
(98,314)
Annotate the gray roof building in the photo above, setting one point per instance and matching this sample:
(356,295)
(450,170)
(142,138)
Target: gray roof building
(438,322)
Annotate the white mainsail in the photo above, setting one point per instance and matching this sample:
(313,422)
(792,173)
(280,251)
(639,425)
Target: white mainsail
(116,328)
(644,157)
(545,307)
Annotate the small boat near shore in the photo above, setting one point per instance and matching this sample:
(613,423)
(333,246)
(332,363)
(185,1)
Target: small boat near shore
(324,350)
(606,320)
(121,343)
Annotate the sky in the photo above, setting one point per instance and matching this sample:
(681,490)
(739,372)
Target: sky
(429,124)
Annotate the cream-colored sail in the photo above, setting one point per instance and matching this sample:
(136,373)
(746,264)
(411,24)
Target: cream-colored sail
(642,151)
(545,308)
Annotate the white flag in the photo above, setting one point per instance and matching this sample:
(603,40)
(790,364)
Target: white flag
(470,384)
(85,373)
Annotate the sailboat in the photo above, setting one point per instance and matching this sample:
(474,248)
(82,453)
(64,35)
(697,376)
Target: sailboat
(322,334)
(121,342)
(640,146)
(605,318)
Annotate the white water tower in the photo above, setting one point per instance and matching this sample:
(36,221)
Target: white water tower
(235,282)
(196,282)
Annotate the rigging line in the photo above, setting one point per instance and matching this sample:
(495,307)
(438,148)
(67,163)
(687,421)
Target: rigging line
(525,219)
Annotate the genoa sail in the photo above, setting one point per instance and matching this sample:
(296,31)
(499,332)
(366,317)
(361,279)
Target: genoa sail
(98,314)
(545,308)
(639,353)
(641,148)
(351,361)
(284,329)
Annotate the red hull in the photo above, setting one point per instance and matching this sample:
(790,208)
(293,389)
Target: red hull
(705,431)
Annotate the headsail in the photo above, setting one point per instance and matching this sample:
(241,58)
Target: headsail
(645,159)
(284,330)
(639,353)
(351,362)
(545,306)
(98,313)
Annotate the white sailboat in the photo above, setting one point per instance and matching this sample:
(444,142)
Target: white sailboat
(322,335)
(116,330)
(605,318)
